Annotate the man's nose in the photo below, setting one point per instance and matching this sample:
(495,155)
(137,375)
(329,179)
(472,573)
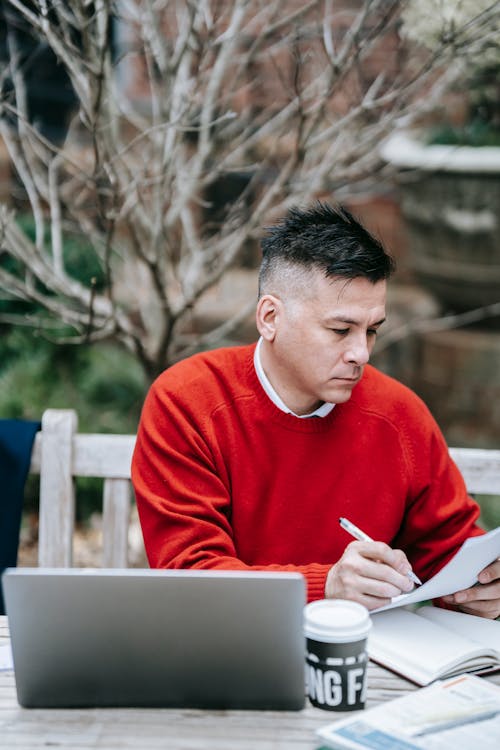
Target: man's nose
(358,352)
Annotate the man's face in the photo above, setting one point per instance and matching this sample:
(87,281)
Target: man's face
(317,343)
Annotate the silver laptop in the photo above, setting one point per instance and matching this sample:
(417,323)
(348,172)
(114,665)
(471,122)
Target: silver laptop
(183,638)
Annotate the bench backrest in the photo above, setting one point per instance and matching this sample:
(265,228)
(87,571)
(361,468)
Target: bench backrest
(60,454)
(480,468)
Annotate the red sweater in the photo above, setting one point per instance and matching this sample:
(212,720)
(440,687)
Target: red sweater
(224,479)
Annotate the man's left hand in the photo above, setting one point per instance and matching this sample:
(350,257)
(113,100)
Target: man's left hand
(483,599)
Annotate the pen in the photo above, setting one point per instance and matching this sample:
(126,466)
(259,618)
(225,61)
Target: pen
(460,721)
(362,537)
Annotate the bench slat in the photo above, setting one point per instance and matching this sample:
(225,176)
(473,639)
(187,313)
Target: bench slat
(57,493)
(115,522)
(480,469)
(94,455)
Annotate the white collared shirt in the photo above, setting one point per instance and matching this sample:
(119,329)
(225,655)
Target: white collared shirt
(321,411)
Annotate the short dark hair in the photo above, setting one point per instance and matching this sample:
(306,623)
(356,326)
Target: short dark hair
(326,237)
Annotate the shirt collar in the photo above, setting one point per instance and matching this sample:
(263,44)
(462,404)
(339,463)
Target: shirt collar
(321,411)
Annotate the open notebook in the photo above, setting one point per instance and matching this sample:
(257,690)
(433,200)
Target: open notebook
(434,643)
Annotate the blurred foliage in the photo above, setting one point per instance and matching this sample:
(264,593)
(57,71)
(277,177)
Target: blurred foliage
(481,126)
(475,133)
(490,511)
(105,385)
(102,382)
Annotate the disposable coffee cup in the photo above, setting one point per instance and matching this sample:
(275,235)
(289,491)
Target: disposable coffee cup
(336,632)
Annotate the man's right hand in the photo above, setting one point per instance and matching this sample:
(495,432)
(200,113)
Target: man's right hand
(370,573)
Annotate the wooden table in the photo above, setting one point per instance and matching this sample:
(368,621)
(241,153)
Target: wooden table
(172,729)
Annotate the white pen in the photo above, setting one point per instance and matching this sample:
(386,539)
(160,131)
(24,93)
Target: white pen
(458,722)
(362,537)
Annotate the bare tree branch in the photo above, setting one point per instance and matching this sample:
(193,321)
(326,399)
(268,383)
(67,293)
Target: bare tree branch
(443,323)
(281,100)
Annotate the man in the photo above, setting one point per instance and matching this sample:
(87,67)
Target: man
(246,457)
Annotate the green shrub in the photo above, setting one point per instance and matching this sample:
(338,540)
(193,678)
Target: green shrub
(103,383)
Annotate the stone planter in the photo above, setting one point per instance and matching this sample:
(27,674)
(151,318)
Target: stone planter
(450,201)
(458,379)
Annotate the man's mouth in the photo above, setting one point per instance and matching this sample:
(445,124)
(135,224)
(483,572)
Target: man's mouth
(347,379)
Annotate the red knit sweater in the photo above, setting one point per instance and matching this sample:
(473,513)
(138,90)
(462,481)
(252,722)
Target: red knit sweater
(224,479)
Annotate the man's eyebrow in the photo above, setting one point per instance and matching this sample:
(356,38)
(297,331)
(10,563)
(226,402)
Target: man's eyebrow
(350,321)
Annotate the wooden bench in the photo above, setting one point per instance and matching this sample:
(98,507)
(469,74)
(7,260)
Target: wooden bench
(61,453)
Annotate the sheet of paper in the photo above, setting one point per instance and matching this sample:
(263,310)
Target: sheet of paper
(6,662)
(455,714)
(460,573)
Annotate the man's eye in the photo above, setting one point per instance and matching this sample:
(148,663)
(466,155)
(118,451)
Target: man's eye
(340,331)
(372,331)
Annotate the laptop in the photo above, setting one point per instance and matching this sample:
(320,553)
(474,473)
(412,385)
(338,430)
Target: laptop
(170,638)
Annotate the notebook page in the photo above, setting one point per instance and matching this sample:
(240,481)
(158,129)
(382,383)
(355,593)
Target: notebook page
(418,648)
(478,629)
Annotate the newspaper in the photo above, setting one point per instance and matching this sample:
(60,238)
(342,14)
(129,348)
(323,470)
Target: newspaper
(456,714)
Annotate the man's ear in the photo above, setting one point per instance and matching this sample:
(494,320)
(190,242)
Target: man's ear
(267,316)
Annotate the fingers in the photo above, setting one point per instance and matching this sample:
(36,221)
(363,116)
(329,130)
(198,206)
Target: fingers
(487,609)
(482,599)
(375,554)
(370,573)
(400,564)
(490,573)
